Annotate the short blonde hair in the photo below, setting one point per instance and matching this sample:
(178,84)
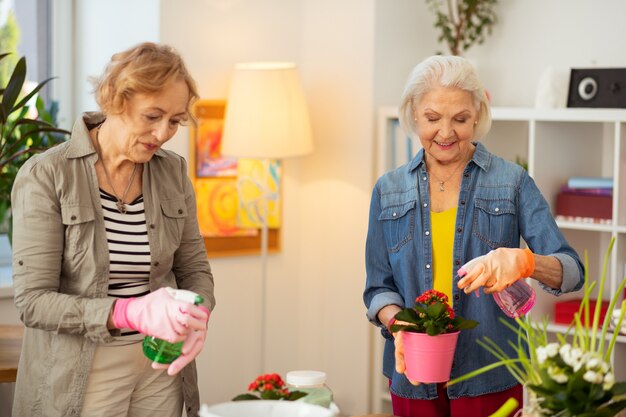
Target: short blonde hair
(444,71)
(145,69)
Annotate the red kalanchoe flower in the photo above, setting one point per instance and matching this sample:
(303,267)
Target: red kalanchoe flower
(270,387)
(432,296)
(431,314)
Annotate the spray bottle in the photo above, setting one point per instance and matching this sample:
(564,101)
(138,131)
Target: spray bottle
(161,351)
(516,300)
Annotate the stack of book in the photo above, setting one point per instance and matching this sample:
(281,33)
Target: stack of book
(588,199)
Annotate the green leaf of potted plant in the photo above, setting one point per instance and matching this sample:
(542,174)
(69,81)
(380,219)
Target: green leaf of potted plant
(430,330)
(26,128)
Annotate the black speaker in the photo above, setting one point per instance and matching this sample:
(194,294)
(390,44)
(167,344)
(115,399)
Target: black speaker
(597,87)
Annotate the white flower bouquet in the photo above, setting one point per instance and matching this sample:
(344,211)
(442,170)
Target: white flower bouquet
(572,376)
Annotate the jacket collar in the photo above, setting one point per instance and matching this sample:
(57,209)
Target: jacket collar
(80,144)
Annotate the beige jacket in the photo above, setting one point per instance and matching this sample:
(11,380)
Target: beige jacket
(61,266)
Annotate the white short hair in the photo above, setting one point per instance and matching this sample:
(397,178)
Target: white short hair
(444,71)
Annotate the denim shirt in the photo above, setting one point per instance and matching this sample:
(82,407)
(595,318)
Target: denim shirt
(498,203)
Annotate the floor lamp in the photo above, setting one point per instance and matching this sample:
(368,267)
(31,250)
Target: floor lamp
(266,118)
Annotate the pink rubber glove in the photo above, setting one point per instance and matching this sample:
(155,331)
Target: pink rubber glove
(158,314)
(497,270)
(194,342)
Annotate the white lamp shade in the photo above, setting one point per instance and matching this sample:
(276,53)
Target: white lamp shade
(266,113)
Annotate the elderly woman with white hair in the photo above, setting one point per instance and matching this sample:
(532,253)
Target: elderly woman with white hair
(454,202)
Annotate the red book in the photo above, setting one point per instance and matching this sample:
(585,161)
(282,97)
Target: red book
(584,205)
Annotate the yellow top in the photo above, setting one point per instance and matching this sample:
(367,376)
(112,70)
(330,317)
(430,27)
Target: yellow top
(443,246)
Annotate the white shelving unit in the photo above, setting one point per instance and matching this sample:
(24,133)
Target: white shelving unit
(557,144)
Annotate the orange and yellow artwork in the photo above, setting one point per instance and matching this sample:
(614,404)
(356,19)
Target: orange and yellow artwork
(259,187)
(209,160)
(217,204)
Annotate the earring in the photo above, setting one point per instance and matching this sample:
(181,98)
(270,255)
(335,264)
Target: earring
(475,122)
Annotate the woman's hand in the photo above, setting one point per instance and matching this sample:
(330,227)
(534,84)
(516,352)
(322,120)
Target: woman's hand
(497,270)
(158,314)
(191,349)
(386,315)
(399,354)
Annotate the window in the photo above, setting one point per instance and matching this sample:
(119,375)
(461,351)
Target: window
(24,31)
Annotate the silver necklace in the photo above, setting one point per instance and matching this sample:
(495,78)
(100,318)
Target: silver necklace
(442,182)
(121,206)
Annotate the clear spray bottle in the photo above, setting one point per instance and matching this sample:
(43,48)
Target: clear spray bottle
(516,300)
(161,351)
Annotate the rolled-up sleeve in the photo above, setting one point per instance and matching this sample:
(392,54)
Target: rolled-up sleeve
(380,288)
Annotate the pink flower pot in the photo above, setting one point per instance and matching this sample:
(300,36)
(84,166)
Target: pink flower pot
(427,358)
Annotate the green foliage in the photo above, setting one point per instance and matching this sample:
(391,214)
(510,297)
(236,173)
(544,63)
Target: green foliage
(9,39)
(463,23)
(571,377)
(26,128)
(432,315)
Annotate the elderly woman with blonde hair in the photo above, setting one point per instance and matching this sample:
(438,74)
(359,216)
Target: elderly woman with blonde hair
(103,225)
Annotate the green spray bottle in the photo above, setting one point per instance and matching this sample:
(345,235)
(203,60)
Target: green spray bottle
(161,351)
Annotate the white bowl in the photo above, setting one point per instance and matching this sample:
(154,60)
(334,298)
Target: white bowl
(265,408)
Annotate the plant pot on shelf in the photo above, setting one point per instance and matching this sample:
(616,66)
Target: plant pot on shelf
(428,359)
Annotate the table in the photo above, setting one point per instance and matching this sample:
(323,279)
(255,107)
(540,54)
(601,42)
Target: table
(10,347)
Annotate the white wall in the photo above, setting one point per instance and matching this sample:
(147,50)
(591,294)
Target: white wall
(530,36)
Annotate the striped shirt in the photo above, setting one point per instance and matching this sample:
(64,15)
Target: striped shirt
(129,251)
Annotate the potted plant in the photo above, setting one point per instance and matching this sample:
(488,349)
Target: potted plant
(269,387)
(430,330)
(26,128)
(463,23)
(571,377)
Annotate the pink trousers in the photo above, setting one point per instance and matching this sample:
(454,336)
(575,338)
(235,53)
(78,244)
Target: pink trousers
(442,406)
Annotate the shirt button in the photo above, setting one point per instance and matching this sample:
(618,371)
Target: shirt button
(460,229)
(394,214)
(427,266)
(463,202)
(497,209)
(157,263)
(457,262)
(73,217)
(424,178)
(427,233)
(466,175)
(425,204)
(21,263)
(180,211)
(457,297)
(152,226)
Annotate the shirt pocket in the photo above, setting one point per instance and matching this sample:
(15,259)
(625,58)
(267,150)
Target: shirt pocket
(174,216)
(495,221)
(398,224)
(79,222)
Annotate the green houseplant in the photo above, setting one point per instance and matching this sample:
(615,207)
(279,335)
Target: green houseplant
(429,334)
(571,377)
(26,128)
(463,23)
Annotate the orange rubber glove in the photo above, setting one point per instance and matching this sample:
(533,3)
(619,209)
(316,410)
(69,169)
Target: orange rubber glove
(497,270)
